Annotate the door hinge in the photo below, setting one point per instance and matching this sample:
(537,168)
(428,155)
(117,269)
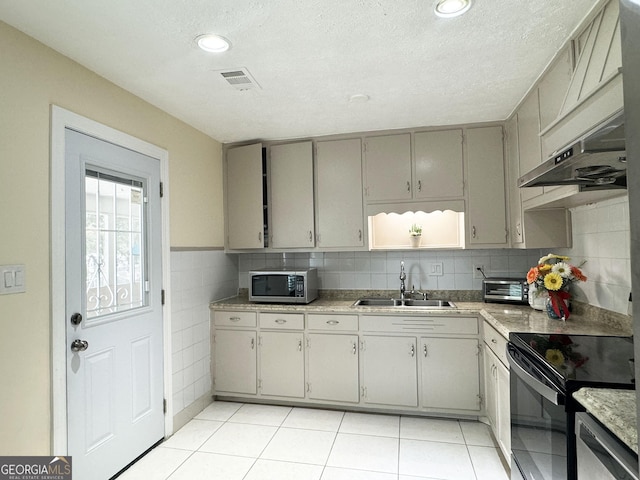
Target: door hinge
(161,189)
(164,405)
(480,400)
(162,296)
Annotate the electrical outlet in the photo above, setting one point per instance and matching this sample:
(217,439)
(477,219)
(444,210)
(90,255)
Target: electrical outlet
(477,270)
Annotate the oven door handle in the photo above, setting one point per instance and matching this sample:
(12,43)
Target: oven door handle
(551,394)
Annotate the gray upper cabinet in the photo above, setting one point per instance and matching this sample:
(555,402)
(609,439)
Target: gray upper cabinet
(438,164)
(388,168)
(486,206)
(339,212)
(244,197)
(291,194)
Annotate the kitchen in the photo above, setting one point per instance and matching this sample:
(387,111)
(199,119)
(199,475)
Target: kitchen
(190,148)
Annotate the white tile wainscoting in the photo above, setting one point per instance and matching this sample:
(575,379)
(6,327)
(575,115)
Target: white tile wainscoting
(198,276)
(235,441)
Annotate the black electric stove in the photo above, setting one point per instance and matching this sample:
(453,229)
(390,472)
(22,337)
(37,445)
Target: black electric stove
(576,361)
(545,371)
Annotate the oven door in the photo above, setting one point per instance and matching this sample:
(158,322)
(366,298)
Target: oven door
(539,423)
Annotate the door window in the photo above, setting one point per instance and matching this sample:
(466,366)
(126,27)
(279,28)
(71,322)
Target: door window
(114,244)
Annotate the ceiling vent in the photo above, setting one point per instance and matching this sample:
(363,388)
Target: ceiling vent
(240,79)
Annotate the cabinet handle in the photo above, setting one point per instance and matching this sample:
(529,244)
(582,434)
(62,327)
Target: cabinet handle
(355,348)
(408,187)
(360,235)
(310,236)
(493,340)
(473,231)
(518,229)
(413,351)
(253,343)
(332,322)
(419,185)
(281,321)
(424,349)
(259,236)
(300,345)
(234,319)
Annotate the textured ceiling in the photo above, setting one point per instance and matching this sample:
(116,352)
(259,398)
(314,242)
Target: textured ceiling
(309,57)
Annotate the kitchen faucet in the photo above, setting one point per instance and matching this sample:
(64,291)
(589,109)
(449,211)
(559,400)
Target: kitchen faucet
(403,277)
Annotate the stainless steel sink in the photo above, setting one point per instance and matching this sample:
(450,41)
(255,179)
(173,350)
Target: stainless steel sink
(429,303)
(377,302)
(392,302)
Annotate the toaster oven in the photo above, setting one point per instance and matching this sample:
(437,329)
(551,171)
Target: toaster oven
(505,290)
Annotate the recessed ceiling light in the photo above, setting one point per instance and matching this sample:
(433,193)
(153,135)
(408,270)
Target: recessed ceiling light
(213,43)
(359,98)
(452,8)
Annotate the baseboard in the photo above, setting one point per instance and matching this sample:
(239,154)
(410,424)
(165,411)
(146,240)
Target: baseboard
(188,413)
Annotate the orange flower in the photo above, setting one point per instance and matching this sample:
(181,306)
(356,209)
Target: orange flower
(532,275)
(576,272)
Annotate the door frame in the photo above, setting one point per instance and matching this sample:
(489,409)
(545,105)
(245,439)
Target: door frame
(60,120)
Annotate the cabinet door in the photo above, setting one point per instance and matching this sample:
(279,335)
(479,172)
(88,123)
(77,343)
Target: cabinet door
(503,409)
(486,208)
(438,164)
(513,162)
(244,194)
(388,167)
(441,357)
(235,361)
(333,367)
(530,148)
(291,207)
(281,364)
(490,387)
(390,373)
(339,193)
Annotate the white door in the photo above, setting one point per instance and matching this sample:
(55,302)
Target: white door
(281,364)
(113,305)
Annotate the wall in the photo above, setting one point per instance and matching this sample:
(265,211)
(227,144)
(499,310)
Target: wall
(32,78)
(197,278)
(601,237)
(381,270)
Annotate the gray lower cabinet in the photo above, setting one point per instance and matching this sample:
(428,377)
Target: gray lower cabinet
(332,367)
(281,364)
(441,389)
(390,370)
(234,353)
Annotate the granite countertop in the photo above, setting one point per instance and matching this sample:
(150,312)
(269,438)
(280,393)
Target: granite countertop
(615,409)
(504,318)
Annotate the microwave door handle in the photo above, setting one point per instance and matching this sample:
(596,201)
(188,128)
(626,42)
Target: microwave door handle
(547,392)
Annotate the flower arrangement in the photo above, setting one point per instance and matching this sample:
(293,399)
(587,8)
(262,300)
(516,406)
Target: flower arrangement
(415,230)
(554,274)
(560,351)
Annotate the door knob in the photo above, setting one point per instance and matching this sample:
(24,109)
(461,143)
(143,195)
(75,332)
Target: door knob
(76,319)
(79,345)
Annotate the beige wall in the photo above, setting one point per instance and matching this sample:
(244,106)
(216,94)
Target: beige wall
(32,77)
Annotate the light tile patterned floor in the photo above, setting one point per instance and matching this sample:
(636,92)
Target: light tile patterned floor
(235,441)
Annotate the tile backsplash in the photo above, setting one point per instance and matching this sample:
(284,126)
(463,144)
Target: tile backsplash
(381,270)
(197,278)
(601,239)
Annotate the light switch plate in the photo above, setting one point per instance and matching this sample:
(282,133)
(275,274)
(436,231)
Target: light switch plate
(12,279)
(436,269)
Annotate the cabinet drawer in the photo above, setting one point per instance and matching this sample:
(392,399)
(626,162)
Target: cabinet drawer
(496,342)
(285,321)
(331,322)
(419,324)
(234,319)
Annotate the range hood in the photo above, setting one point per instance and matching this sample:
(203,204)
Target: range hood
(597,161)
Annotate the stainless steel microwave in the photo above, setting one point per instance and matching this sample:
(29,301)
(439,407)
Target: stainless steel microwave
(283,285)
(505,290)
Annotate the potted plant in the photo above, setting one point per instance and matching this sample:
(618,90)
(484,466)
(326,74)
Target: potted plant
(415,235)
